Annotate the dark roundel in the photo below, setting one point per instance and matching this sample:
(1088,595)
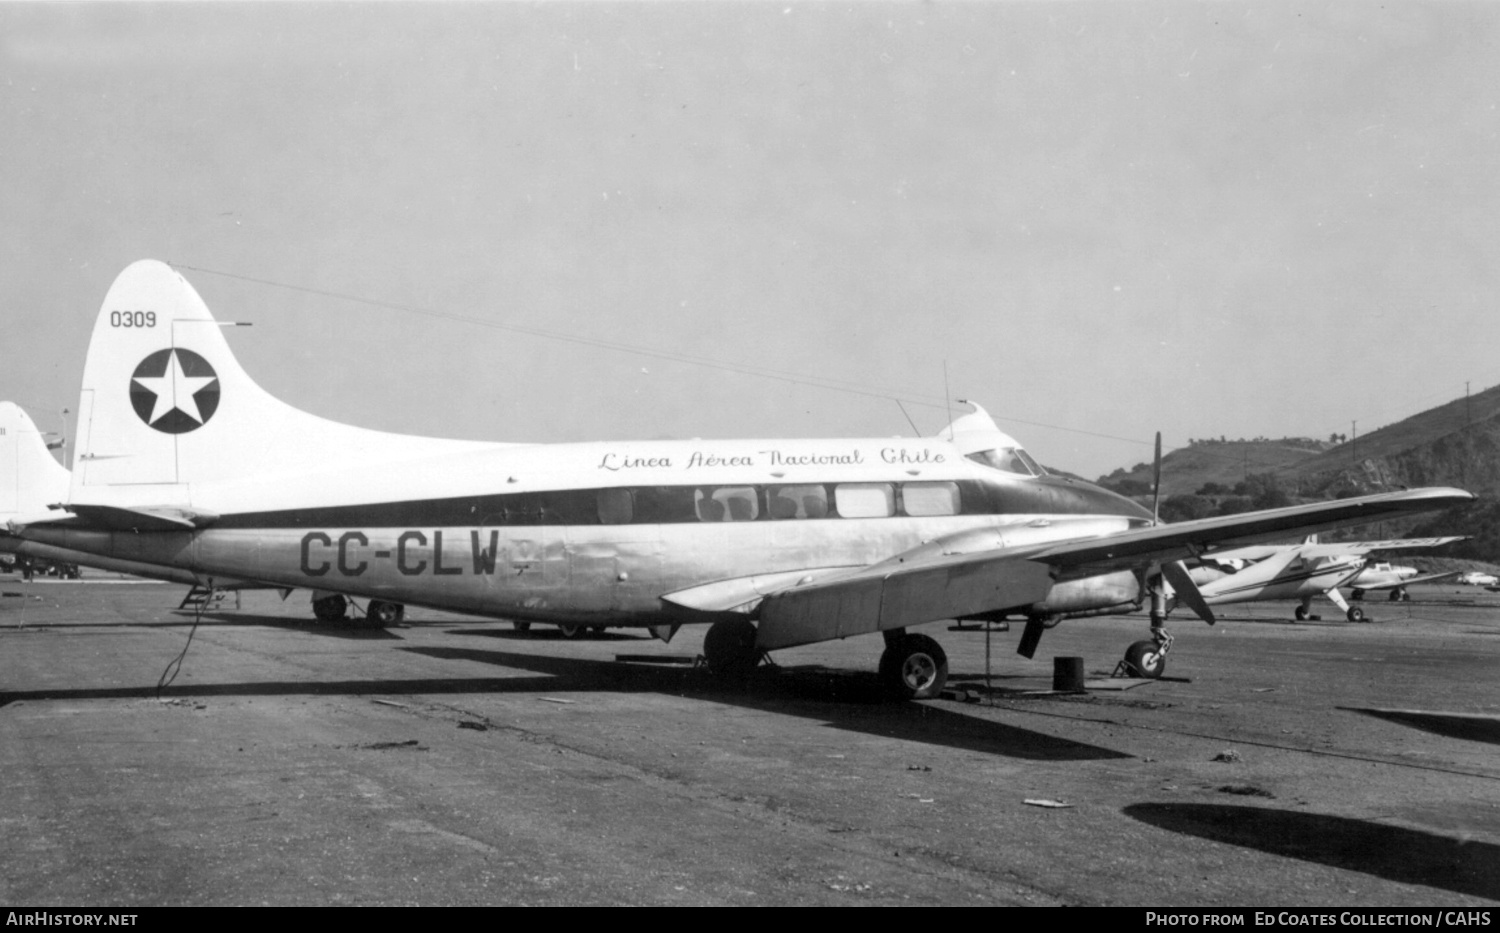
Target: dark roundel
(174,391)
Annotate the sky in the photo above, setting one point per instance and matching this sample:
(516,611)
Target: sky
(598,221)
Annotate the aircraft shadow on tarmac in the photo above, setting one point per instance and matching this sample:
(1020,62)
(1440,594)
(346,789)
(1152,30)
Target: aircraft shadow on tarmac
(349,628)
(1452,725)
(810,693)
(846,700)
(1406,856)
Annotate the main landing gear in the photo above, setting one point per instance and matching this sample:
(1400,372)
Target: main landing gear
(379,613)
(1352,613)
(913,667)
(729,648)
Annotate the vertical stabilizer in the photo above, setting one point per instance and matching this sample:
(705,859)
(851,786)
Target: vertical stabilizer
(30,478)
(165,405)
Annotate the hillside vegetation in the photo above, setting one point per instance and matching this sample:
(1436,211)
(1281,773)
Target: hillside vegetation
(1454,444)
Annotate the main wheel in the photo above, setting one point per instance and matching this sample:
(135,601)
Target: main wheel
(730,649)
(1146,660)
(571,631)
(1355,614)
(1300,613)
(914,668)
(381,613)
(1396,595)
(1356,593)
(330,608)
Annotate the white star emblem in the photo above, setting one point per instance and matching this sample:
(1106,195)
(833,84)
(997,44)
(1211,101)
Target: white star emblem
(174,389)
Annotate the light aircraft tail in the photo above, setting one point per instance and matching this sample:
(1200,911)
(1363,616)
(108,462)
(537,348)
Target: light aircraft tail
(30,478)
(165,405)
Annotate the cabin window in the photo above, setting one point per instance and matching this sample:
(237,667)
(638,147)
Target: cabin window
(922,499)
(784,502)
(864,500)
(727,504)
(616,507)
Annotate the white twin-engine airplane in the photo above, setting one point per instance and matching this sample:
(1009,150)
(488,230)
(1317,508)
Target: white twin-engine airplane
(183,462)
(1303,571)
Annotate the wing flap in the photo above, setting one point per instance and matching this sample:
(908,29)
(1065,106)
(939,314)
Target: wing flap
(891,595)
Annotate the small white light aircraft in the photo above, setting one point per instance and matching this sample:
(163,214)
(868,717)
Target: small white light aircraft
(183,461)
(1303,571)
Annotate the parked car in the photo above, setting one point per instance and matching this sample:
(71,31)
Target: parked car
(1475,578)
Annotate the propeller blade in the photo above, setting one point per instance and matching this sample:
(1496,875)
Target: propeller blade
(1156,485)
(1187,591)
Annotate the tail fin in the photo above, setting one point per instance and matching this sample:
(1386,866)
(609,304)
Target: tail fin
(165,405)
(30,479)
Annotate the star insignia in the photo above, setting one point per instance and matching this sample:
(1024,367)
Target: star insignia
(174,391)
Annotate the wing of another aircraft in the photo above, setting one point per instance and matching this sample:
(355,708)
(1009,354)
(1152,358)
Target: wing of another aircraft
(901,592)
(1409,581)
(1329,549)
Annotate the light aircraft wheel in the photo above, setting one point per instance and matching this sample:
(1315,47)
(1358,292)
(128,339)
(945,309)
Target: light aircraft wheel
(572,631)
(381,614)
(914,668)
(729,648)
(1356,614)
(1300,614)
(1357,594)
(522,627)
(330,608)
(1396,596)
(1145,659)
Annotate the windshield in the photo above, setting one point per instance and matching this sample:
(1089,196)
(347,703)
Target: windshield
(1009,459)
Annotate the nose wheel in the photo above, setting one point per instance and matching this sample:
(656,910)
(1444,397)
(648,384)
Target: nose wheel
(1144,659)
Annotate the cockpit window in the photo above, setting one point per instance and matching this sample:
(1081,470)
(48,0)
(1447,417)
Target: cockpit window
(1009,459)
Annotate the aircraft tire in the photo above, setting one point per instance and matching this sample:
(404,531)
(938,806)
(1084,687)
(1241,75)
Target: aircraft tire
(522,627)
(1356,614)
(572,632)
(330,608)
(1300,613)
(381,614)
(729,648)
(1145,659)
(914,668)
(1396,595)
(1356,594)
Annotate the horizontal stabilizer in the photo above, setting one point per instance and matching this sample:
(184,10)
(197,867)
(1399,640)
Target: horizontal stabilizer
(141,518)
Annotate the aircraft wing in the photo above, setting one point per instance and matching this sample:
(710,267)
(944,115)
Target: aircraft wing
(901,592)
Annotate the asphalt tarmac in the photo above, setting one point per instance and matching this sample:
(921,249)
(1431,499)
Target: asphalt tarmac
(452,760)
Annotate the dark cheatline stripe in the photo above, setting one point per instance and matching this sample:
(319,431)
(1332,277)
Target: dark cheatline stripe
(1281,581)
(660,505)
